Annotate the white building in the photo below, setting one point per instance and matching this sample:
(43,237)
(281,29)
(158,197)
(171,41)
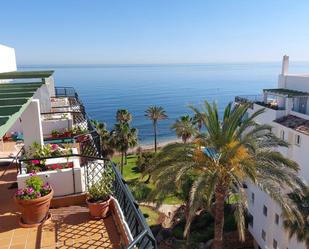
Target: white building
(7,60)
(287,111)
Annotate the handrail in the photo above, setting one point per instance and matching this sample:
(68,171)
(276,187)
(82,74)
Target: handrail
(12,162)
(142,235)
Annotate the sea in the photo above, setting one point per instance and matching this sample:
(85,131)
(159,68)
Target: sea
(106,88)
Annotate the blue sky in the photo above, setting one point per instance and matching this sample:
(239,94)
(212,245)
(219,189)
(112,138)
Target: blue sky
(155,31)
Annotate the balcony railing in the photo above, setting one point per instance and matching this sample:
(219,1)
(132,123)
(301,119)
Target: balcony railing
(91,160)
(256,99)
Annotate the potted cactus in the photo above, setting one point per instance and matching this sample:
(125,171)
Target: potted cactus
(34,201)
(99,195)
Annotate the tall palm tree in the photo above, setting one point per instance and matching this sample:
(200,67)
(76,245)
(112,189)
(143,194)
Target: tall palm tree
(231,151)
(107,147)
(124,137)
(155,113)
(184,128)
(123,116)
(294,228)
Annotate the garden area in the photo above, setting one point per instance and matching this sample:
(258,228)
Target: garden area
(139,185)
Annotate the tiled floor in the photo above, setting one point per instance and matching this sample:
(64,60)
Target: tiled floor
(70,227)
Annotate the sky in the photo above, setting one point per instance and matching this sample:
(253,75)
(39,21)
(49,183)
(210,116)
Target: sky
(155,31)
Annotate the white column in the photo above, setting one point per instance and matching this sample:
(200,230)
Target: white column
(50,85)
(31,124)
(285,65)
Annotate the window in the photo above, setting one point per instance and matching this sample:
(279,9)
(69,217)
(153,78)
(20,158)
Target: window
(297,139)
(277,219)
(252,197)
(275,244)
(282,134)
(265,210)
(263,235)
(250,220)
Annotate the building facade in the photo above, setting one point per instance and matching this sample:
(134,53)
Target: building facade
(287,111)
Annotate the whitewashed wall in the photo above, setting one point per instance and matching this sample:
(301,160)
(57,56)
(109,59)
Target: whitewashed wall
(7,60)
(295,82)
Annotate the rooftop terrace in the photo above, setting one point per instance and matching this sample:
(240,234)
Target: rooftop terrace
(286,92)
(69,227)
(296,123)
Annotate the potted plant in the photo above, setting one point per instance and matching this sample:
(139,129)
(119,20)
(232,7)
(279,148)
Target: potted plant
(55,134)
(99,195)
(34,201)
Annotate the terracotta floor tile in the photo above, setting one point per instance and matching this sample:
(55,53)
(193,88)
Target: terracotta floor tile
(19,246)
(5,241)
(7,234)
(70,227)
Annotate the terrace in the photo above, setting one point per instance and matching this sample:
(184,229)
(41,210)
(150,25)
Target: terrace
(70,225)
(295,123)
(278,99)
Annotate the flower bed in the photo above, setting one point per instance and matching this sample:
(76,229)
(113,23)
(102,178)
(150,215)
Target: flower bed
(48,150)
(67,133)
(64,175)
(56,166)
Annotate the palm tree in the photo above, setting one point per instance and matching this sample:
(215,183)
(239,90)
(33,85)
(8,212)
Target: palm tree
(155,113)
(123,116)
(294,228)
(124,137)
(230,152)
(198,120)
(107,148)
(184,128)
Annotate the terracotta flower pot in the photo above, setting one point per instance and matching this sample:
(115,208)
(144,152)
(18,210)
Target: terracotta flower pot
(34,211)
(98,209)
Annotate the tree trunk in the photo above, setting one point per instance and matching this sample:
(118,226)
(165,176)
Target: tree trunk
(122,155)
(219,216)
(155,134)
(126,158)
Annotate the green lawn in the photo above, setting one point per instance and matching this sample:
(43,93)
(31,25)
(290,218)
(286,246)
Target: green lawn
(152,216)
(132,176)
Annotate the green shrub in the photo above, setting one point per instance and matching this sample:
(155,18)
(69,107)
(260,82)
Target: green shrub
(178,231)
(229,223)
(140,191)
(202,221)
(210,233)
(144,160)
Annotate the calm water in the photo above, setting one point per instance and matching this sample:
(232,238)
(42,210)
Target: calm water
(106,88)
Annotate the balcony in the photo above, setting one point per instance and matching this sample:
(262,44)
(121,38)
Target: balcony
(270,103)
(70,225)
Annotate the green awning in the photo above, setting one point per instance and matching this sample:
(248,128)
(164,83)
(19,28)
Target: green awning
(14,99)
(26,74)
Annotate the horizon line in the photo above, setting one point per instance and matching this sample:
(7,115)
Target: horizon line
(150,63)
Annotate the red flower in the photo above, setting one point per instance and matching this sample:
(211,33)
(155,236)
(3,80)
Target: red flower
(54,166)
